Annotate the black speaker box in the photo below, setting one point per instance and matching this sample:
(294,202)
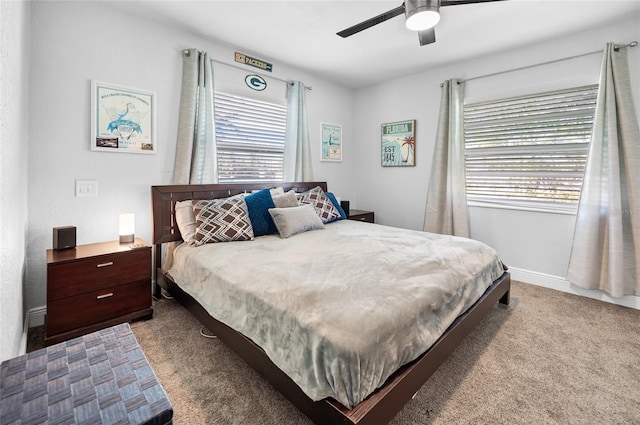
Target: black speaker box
(345,206)
(64,237)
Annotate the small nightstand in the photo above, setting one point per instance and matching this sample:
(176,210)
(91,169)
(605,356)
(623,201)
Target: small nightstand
(359,215)
(94,286)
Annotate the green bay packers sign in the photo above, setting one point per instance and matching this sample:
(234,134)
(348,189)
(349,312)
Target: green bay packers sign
(399,144)
(255,82)
(257,63)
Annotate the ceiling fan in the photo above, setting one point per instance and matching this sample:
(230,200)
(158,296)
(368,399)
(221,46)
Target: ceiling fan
(421,16)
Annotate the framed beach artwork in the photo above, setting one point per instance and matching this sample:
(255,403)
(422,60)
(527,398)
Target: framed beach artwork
(399,144)
(331,141)
(122,119)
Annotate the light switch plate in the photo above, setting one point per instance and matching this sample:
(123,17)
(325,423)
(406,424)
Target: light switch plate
(86,188)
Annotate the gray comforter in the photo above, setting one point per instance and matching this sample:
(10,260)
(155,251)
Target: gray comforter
(339,309)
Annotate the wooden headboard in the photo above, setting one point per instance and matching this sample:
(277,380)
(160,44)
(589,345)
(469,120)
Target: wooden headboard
(164,198)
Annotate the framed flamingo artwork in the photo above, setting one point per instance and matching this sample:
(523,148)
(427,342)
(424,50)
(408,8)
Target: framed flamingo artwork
(123,119)
(399,144)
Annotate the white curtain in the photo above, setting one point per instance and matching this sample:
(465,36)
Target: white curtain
(196,160)
(606,245)
(446,210)
(297,148)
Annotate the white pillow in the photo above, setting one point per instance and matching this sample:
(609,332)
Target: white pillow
(293,220)
(186,221)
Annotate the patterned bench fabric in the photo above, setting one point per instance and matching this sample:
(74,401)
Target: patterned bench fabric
(99,378)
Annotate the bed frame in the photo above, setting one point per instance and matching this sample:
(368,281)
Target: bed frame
(381,406)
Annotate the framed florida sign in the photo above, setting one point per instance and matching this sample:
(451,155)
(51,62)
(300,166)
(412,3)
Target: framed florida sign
(123,119)
(399,144)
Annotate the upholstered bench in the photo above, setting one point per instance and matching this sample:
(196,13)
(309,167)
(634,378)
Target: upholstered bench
(99,378)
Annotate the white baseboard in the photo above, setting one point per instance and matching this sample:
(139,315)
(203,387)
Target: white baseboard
(561,284)
(25,333)
(32,318)
(36,316)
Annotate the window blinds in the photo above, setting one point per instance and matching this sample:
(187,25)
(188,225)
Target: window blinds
(529,151)
(250,139)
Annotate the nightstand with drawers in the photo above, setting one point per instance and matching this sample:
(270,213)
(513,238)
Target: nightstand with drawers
(94,286)
(360,215)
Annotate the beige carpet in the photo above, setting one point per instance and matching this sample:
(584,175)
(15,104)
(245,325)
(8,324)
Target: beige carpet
(550,358)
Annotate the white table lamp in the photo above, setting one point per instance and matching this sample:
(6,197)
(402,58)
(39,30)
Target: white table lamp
(127,227)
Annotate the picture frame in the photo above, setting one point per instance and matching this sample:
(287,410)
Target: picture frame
(123,119)
(331,142)
(398,144)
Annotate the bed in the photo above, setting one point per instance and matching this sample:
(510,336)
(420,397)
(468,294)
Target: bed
(342,377)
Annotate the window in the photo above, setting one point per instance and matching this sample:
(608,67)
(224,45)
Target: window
(250,139)
(529,151)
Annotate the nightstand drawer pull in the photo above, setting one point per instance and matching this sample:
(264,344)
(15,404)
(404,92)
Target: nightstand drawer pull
(99,297)
(110,263)
(363,218)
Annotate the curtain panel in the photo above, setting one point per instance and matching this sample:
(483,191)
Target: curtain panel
(195,160)
(297,147)
(446,209)
(606,245)
(196,157)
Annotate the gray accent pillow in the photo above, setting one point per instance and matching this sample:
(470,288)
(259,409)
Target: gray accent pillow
(293,220)
(286,200)
(276,191)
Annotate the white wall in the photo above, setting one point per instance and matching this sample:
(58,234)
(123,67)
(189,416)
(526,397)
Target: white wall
(76,42)
(14,139)
(534,243)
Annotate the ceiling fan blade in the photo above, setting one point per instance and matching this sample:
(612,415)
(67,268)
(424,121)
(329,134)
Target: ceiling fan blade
(371,22)
(457,2)
(427,36)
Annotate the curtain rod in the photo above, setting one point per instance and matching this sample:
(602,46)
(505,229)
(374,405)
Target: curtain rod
(186,52)
(617,47)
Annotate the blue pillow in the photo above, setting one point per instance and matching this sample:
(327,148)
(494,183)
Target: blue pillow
(258,204)
(334,201)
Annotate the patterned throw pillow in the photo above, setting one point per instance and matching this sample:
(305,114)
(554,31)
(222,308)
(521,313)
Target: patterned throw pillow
(334,200)
(258,204)
(323,205)
(222,220)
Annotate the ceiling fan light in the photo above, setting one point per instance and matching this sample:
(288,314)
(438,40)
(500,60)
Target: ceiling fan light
(422,18)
